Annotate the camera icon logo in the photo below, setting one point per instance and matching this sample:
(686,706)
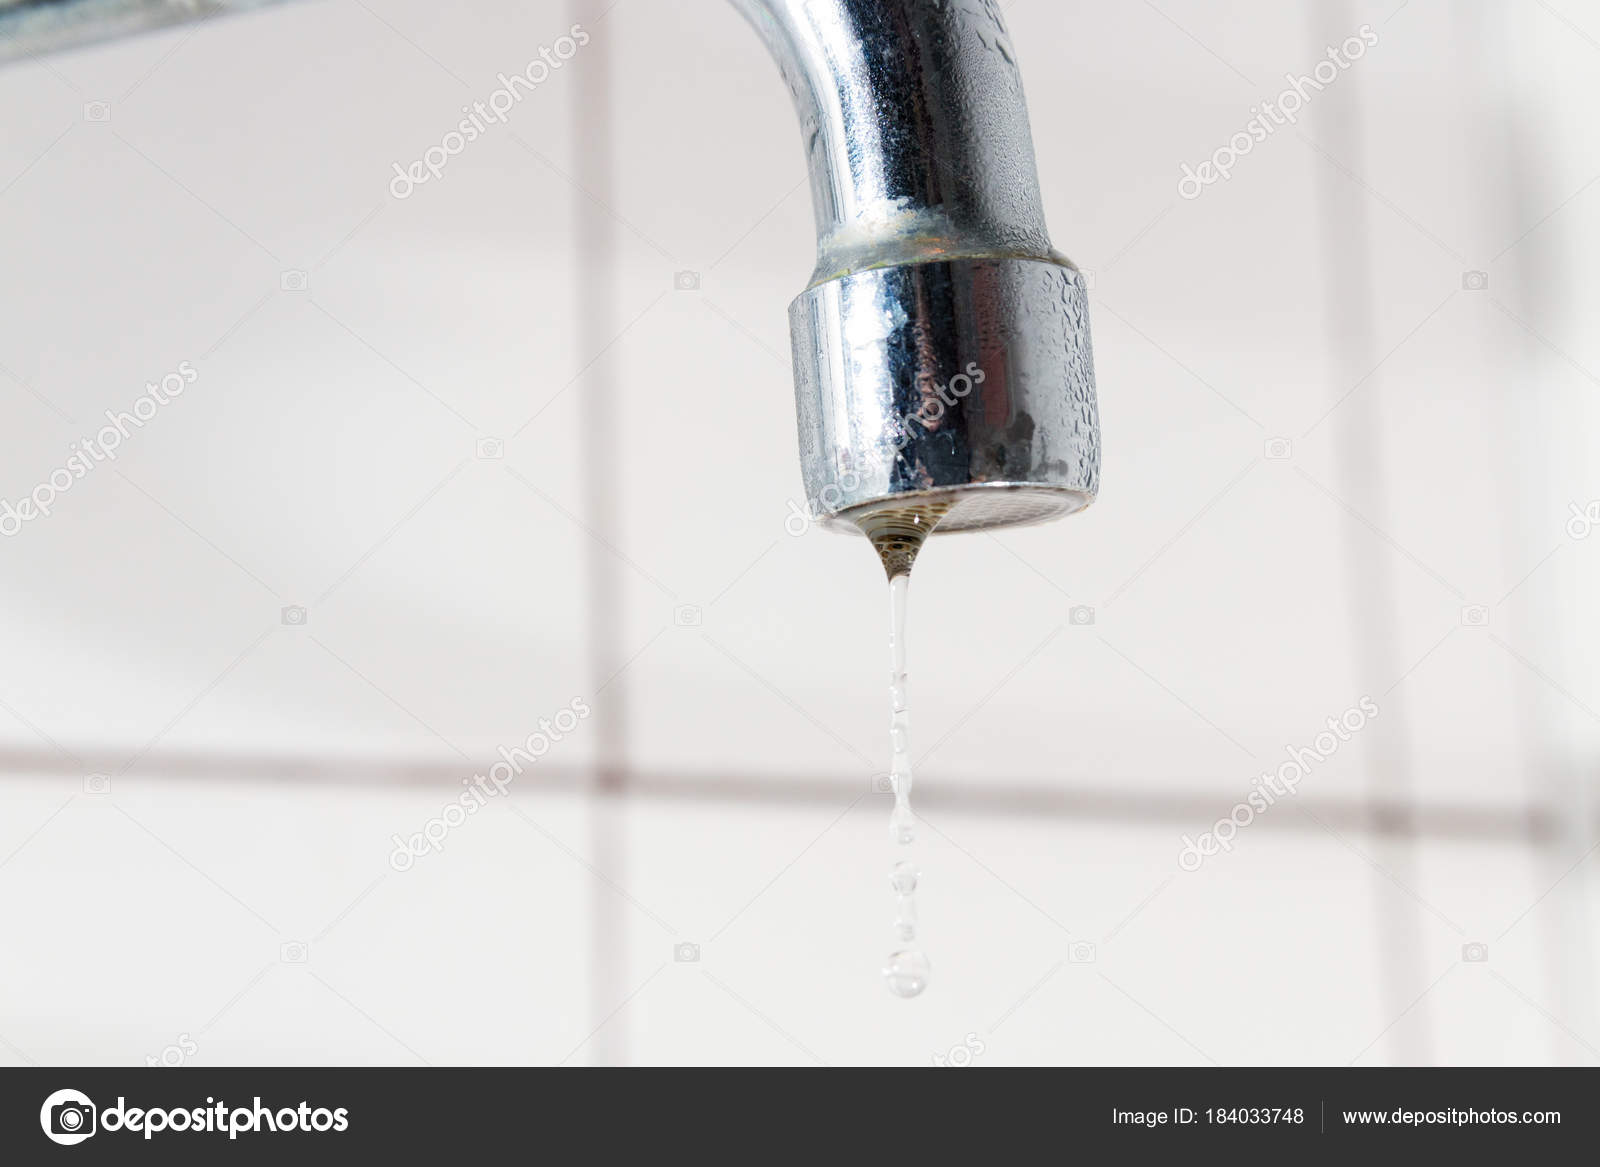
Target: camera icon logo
(882,784)
(97,111)
(293,280)
(293,952)
(1475,953)
(294,615)
(1474,281)
(686,281)
(1081,616)
(1081,952)
(491,449)
(687,616)
(67,1117)
(686,953)
(1475,616)
(1278,450)
(97,784)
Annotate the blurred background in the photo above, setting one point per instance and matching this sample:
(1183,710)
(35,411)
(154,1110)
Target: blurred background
(525,436)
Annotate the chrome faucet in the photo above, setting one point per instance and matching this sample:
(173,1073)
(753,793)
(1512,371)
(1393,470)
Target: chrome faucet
(941,350)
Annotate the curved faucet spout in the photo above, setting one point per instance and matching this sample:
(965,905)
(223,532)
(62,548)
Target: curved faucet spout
(915,127)
(941,348)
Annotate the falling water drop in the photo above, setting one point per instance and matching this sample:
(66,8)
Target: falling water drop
(906,973)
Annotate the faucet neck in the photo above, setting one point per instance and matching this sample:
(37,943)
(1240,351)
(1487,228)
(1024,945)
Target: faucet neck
(915,127)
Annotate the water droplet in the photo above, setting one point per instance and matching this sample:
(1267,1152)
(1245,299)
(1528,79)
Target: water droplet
(906,974)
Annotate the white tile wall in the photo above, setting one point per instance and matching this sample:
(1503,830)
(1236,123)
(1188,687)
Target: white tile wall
(328,456)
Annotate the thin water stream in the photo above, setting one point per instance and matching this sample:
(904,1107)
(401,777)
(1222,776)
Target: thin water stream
(898,535)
